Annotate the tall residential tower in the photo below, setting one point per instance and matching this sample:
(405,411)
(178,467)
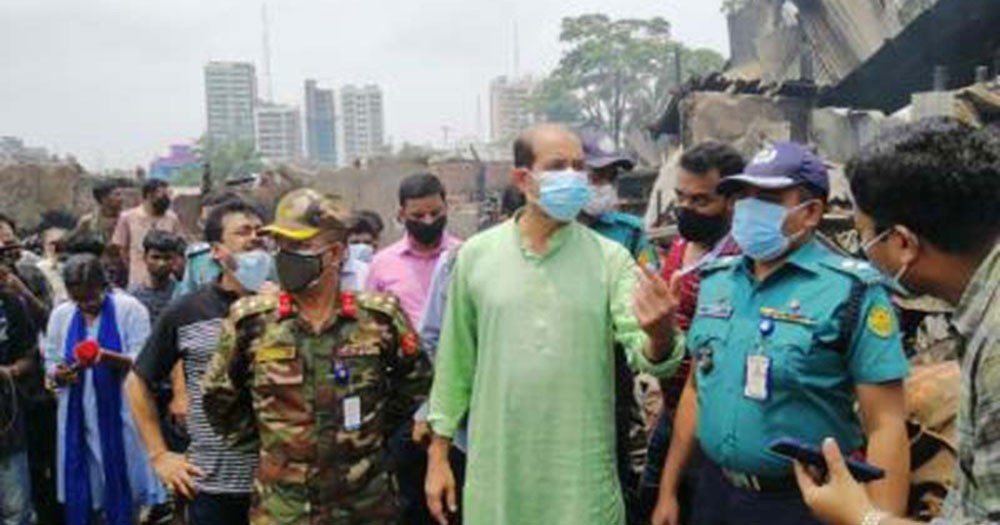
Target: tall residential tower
(363,118)
(230,97)
(321,136)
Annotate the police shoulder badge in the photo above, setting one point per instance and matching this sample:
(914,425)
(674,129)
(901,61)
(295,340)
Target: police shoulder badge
(880,321)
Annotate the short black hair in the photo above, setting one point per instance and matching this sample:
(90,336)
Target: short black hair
(103,188)
(82,241)
(374,219)
(9,221)
(511,200)
(713,155)
(360,224)
(938,177)
(163,241)
(85,270)
(418,186)
(213,225)
(151,185)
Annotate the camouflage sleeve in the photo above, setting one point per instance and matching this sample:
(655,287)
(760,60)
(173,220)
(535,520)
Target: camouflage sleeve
(409,368)
(227,400)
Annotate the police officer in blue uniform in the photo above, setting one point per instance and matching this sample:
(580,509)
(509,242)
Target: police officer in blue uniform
(788,339)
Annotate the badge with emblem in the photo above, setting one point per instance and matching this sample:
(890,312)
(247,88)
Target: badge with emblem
(341,373)
(880,321)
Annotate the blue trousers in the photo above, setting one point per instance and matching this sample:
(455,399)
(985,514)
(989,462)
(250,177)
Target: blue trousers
(717,502)
(15,490)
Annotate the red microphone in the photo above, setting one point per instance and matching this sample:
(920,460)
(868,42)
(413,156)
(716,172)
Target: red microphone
(88,353)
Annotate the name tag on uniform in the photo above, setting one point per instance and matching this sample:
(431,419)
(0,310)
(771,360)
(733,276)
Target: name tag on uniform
(357,350)
(352,413)
(715,310)
(757,386)
(274,353)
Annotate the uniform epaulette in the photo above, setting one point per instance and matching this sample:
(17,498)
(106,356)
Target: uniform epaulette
(721,263)
(387,304)
(253,305)
(861,270)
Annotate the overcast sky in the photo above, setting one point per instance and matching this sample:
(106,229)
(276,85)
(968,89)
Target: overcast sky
(115,81)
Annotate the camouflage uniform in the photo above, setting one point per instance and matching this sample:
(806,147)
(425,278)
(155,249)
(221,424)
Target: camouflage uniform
(279,388)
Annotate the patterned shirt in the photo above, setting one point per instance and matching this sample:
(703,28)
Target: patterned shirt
(976,496)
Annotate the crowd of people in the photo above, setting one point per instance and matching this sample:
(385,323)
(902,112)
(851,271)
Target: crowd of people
(284,367)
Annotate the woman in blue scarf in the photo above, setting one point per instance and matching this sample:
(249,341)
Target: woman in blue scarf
(103,472)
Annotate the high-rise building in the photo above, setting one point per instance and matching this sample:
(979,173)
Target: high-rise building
(363,118)
(321,138)
(279,132)
(510,110)
(230,97)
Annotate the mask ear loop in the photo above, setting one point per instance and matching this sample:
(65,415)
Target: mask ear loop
(797,235)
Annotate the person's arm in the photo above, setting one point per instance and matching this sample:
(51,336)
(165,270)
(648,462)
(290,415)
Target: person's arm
(173,469)
(642,317)
(430,333)
(21,339)
(180,403)
(52,347)
(682,445)
(451,393)
(883,410)
(120,242)
(226,400)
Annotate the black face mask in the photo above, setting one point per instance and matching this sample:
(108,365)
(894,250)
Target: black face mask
(702,229)
(161,205)
(427,234)
(298,271)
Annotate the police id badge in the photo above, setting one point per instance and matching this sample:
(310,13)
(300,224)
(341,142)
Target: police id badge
(352,413)
(757,384)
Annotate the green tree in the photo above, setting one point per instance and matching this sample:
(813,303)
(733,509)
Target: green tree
(227,160)
(617,74)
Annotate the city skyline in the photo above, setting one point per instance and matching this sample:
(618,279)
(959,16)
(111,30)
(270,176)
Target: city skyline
(78,90)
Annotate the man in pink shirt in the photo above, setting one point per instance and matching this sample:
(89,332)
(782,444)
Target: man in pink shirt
(153,213)
(406,267)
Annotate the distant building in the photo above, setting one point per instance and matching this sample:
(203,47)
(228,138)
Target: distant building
(363,118)
(321,137)
(230,97)
(279,132)
(180,156)
(12,149)
(509,107)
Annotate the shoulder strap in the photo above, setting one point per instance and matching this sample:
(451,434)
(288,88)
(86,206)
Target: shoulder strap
(850,316)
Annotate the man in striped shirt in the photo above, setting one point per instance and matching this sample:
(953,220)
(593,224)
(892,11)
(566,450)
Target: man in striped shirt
(215,477)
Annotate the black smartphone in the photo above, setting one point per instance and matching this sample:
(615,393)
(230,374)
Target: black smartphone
(792,448)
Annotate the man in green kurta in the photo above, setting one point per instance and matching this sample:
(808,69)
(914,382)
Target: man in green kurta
(526,353)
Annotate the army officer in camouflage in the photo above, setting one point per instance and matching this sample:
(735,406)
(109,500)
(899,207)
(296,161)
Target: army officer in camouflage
(315,378)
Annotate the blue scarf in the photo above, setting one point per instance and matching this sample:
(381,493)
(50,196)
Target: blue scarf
(117,502)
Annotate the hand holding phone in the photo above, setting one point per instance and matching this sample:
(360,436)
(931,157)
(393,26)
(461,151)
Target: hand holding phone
(806,454)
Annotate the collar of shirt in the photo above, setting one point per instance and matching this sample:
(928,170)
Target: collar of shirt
(980,293)
(409,247)
(807,257)
(555,242)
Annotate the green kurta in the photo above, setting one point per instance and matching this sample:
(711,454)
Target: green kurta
(526,351)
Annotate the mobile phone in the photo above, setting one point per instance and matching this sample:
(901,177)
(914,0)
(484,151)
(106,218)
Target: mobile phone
(792,448)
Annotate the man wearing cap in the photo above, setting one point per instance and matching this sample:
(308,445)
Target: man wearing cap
(601,215)
(315,378)
(786,339)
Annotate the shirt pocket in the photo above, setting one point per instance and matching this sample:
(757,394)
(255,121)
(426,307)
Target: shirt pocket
(705,346)
(800,359)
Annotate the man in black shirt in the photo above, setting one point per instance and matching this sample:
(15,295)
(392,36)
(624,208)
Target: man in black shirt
(216,478)
(17,362)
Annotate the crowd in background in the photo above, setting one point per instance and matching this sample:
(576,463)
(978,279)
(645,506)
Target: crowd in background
(275,366)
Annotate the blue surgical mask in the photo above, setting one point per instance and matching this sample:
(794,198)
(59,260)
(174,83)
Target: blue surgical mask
(360,251)
(562,194)
(253,269)
(757,228)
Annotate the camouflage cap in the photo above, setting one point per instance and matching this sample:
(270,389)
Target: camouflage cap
(304,213)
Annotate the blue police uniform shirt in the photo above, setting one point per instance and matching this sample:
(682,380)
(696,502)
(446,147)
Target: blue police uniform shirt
(627,231)
(812,370)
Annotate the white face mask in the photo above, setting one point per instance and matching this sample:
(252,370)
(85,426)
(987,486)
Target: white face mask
(604,200)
